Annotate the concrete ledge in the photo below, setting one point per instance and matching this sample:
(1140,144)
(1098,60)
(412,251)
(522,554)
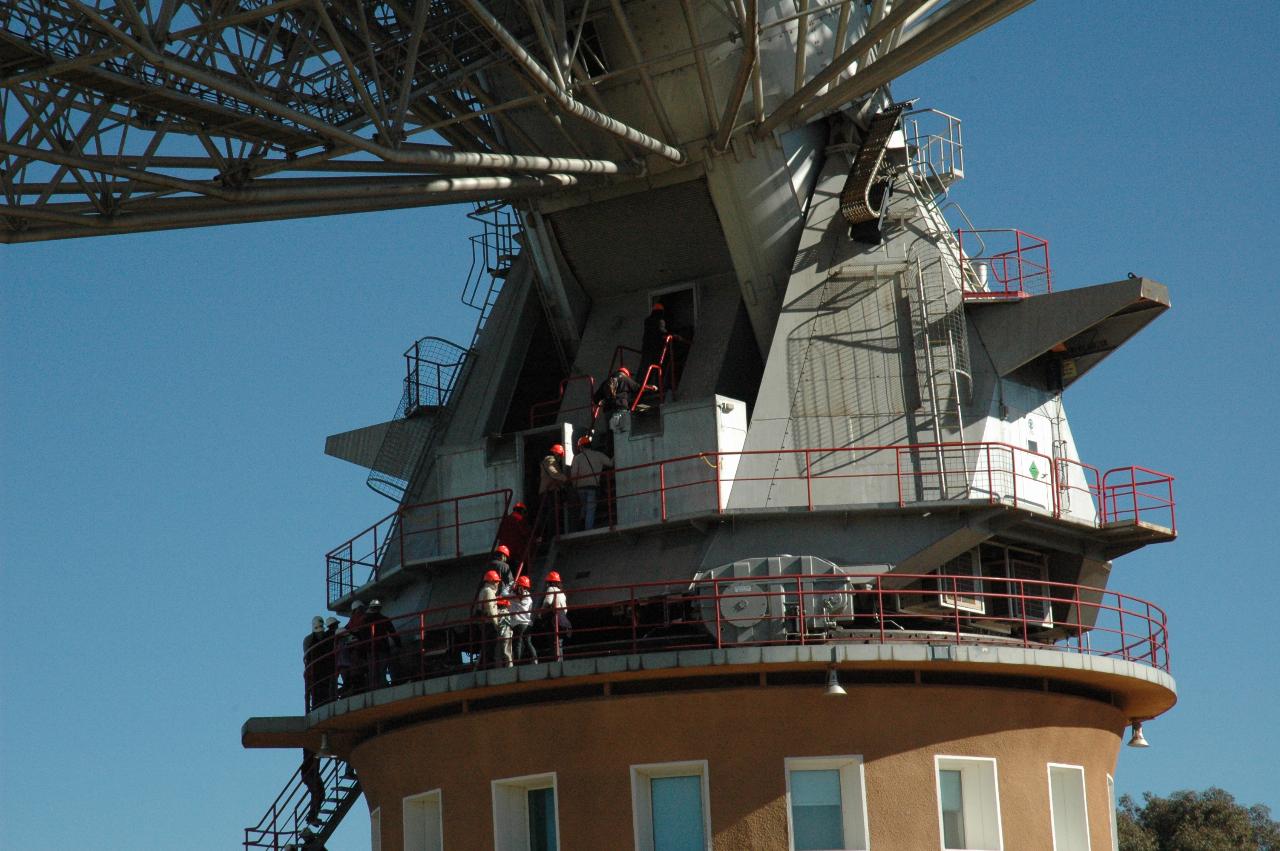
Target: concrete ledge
(1137,689)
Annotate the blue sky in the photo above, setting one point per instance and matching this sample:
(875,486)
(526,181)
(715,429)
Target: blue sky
(164,400)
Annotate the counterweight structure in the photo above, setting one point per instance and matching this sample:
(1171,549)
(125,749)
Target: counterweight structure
(847,580)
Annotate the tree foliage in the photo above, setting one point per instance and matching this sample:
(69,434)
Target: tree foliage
(1195,821)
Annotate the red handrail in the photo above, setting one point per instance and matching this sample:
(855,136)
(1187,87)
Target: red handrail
(1132,497)
(539,409)
(629,618)
(342,560)
(1011,475)
(1015,272)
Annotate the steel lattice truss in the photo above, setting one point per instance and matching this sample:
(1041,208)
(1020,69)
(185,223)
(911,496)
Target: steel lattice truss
(126,115)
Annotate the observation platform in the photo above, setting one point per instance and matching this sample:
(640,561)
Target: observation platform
(1120,509)
(1058,638)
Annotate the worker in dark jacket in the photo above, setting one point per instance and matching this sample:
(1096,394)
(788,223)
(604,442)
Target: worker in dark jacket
(614,397)
(500,565)
(514,533)
(319,662)
(377,634)
(654,339)
(353,656)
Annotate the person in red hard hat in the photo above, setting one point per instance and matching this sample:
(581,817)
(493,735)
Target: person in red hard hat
(554,603)
(497,624)
(614,398)
(500,563)
(553,479)
(654,339)
(522,619)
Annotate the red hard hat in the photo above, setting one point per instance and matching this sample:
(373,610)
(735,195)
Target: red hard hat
(503,601)
(557,450)
(502,548)
(584,441)
(492,576)
(553,577)
(657,305)
(624,371)
(523,582)
(521,507)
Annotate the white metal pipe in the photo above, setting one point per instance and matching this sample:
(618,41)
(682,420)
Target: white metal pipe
(541,79)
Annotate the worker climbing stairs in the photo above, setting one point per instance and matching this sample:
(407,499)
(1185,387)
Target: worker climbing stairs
(286,825)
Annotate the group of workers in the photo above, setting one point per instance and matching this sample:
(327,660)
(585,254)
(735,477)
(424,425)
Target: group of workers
(361,653)
(507,607)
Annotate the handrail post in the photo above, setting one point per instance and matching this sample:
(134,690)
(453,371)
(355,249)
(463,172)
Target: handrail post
(1124,636)
(801,613)
(880,607)
(955,605)
(1133,477)
(634,625)
(715,602)
(1079,622)
(662,488)
(719,497)
(897,463)
(1022,597)
(808,479)
(991,480)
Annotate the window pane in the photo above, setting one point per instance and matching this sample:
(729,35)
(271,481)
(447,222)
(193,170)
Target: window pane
(542,820)
(952,808)
(1070,826)
(816,819)
(677,813)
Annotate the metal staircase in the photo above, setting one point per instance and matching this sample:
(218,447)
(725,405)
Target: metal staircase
(432,367)
(284,826)
(493,251)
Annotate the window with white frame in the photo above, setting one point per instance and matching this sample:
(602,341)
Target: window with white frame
(1111,806)
(968,803)
(525,817)
(1067,808)
(826,804)
(671,807)
(423,822)
(375,830)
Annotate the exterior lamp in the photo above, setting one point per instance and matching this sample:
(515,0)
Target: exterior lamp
(834,689)
(1137,740)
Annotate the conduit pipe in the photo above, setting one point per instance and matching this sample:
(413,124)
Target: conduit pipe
(544,82)
(182,213)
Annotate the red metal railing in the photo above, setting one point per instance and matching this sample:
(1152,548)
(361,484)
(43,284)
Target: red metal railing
(947,472)
(428,529)
(1136,494)
(704,483)
(546,411)
(879,608)
(1015,266)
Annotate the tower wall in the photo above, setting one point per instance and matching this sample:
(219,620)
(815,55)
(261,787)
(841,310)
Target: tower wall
(745,734)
